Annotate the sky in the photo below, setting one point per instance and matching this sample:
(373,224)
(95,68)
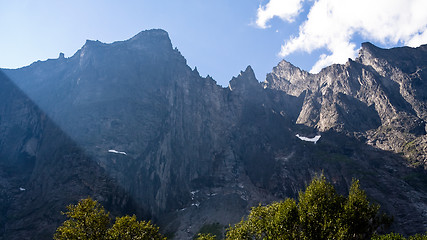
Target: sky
(219,37)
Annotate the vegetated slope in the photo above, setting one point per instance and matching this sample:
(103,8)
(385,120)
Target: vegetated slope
(188,152)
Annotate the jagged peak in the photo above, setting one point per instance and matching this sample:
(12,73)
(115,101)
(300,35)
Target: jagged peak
(249,72)
(285,71)
(286,64)
(196,71)
(245,78)
(248,75)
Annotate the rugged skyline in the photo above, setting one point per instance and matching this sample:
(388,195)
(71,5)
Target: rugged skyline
(217,37)
(132,125)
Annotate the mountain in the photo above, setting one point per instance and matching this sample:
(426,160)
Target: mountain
(42,170)
(381,95)
(132,125)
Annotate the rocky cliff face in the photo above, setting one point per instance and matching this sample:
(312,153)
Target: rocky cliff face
(130,124)
(42,170)
(380,95)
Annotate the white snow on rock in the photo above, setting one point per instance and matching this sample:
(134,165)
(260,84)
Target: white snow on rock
(313,140)
(22,189)
(193,193)
(115,151)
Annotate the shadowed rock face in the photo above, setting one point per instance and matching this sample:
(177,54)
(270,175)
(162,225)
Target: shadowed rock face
(130,124)
(42,170)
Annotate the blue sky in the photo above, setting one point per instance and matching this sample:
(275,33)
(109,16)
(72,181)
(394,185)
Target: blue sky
(220,37)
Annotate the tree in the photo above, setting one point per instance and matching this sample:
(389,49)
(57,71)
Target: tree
(319,208)
(276,221)
(359,218)
(321,213)
(128,228)
(87,220)
(205,236)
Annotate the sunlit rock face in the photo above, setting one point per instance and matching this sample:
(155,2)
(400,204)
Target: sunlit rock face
(382,95)
(130,124)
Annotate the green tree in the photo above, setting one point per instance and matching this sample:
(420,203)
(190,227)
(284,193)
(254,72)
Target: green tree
(321,213)
(87,221)
(319,208)
(205,236)
(359,218)
(276,221)
(128,228)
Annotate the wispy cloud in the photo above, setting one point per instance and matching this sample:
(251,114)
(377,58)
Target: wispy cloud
(332,24)
(287,10)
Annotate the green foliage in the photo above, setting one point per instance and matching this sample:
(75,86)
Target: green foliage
(89,221)
(128,228)
(319,208)
(276,221)
(205,236)
(321,213)
(213,229)
(359,218)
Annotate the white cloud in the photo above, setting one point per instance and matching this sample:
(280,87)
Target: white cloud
(418,39)
(287,10)
(332,24)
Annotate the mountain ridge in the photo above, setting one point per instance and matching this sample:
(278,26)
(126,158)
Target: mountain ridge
(199,153)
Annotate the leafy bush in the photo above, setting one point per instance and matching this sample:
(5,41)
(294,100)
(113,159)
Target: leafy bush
(205,236)
(89,221)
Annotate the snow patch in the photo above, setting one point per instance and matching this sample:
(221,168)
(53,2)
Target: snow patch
(197,204)
(244,197)
(193,193)
(115,151)
(313,140)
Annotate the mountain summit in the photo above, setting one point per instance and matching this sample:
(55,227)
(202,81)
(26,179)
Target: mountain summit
(132,125)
